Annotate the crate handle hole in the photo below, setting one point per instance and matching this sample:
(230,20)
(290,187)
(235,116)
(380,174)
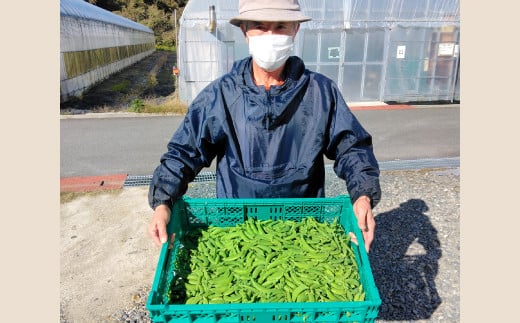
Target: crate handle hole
(247,318)
(279,318)
(275,210)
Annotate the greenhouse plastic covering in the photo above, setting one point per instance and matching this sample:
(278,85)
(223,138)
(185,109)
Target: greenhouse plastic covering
(345,13)
(84,10)
(375,50)
(96,43)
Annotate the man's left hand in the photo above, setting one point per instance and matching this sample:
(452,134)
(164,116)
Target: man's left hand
(365,218)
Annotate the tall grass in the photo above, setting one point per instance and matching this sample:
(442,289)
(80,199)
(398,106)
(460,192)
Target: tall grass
(172,105)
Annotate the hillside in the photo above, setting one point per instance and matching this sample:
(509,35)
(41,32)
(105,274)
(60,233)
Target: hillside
(158,15)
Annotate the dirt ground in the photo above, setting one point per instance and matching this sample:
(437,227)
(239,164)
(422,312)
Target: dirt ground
(107,260)
(151,78)
(108,263)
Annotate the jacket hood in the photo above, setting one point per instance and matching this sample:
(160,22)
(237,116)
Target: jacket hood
(269,108)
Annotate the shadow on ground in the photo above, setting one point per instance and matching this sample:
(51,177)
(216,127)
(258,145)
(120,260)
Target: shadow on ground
(404,258)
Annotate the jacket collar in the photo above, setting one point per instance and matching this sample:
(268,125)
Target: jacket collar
(243,71)
(286,98)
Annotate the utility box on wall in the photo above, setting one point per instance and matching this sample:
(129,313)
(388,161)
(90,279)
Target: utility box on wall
(385,50)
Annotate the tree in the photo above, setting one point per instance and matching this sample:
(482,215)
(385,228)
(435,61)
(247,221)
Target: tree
(155,14)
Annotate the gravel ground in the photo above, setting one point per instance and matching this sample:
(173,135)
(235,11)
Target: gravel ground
(415,257)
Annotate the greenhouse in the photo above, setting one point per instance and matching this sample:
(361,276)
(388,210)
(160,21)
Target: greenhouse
(384,50)
(95,43)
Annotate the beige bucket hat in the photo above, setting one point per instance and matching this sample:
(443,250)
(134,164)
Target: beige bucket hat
(268,10)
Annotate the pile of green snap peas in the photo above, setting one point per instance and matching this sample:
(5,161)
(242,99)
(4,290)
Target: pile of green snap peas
(273,261)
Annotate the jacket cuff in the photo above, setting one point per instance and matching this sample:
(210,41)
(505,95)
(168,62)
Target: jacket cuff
(166,202)
(374,198)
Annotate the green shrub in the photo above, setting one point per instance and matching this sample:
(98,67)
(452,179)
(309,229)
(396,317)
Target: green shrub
(121,86)
(136,106)
(165,47)
(152,80)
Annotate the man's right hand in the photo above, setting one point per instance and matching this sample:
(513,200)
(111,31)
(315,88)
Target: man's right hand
(157,227)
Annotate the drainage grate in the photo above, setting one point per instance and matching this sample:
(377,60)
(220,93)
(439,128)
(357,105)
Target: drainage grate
(420,163)
(205,177)
(385,165)
(138,180)
(144,180)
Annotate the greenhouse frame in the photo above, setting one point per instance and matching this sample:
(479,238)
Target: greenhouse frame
(96,43)
(384,50)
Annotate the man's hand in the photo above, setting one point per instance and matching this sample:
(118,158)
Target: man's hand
(157,227)
(366,222)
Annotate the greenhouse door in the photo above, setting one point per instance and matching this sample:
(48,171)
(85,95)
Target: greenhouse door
(354,59)
(362,69)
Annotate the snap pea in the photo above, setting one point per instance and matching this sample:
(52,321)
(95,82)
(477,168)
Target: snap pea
(273,261)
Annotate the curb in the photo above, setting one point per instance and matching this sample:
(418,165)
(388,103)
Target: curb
(124,114)
(381,107)
(92,183)
(352,106)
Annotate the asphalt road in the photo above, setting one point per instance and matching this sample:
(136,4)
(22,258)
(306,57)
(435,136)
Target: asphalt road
(116,144)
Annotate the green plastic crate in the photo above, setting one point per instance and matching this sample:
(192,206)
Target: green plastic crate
(190,213)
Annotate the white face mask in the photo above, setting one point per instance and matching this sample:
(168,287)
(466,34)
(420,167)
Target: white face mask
(270,51)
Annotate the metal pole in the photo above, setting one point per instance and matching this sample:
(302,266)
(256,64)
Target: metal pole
(176,50)
(175,27)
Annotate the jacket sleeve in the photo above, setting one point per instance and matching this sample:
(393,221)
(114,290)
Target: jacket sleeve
(350,146)
(189,150)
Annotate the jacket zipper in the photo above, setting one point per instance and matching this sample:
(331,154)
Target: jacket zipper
(268,118)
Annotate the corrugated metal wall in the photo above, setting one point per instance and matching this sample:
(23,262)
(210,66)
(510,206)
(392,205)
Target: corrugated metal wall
(376,50)
(95,43)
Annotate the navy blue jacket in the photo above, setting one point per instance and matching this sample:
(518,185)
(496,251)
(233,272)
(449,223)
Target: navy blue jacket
(268,143)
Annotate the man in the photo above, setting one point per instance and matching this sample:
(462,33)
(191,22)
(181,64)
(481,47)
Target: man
(269,122)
